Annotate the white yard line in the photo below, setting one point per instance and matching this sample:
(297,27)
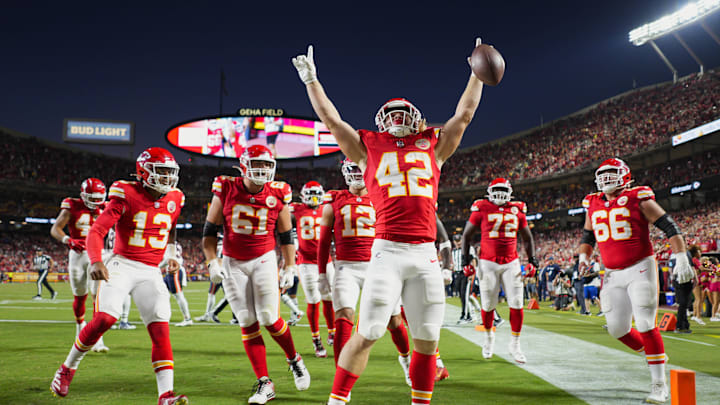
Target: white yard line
(594,373)
(688,340)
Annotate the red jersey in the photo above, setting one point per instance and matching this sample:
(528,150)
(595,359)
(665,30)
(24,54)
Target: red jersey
(498,225)
(621,230)
(143,223)
(402,181)
(249,219)
(307,221)
(354,227)
(81,217)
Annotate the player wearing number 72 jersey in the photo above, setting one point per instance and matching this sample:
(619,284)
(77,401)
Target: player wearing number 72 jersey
(144,214)
(618,219)
(401,164)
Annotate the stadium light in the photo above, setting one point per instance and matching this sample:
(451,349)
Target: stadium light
(672,22)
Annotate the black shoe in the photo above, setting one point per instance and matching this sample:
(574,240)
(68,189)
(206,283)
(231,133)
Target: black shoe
(54,294)
(686,331)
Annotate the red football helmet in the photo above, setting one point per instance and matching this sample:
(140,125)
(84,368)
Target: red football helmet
(157,169)
(92,192)
(257,164)
(352,173)
(312,193)
(398,117)
(499,191)
(612,174)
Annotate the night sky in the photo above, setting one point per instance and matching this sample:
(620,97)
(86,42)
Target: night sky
(160,65)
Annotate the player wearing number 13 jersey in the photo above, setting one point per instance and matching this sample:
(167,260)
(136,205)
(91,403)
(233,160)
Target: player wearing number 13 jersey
(499,221)
(618,219)
(144,214)
(250,209)
(401,164)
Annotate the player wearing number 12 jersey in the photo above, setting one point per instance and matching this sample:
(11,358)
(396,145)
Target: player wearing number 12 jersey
(250,209)
(618,219)
(499,221)
(401,164)
(307,219)
(144,214)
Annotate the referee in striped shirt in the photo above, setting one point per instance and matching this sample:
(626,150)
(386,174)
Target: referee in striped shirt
(43,263)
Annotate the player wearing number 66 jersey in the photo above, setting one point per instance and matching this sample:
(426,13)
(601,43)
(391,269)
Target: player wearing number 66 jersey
(618,219)
(250,209)
(401,164)
(307,222)
(144,214)
(499,221)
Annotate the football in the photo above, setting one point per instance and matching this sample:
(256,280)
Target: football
(487,64)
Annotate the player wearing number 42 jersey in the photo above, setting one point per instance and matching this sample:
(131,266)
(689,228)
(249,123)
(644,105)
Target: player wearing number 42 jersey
(307,218)
(250,209)
(78,214)
(618,219)
(144,214)
(401,164)
(499,221)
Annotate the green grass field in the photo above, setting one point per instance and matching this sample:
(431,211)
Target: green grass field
(211,366)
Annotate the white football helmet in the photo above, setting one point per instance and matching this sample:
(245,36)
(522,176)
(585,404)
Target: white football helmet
(257,164)
(312,194)
(499,191)
(612,174)
(398,117)
(353,175)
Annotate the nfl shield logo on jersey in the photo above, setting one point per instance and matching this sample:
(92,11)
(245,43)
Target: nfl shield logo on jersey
(171,207)
(271,201)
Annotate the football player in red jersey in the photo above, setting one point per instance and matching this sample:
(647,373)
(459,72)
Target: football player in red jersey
(78,214)
(499,221)
(250,209)
(401,164)
(618,219)
(307,218)
(349,219)
(144,214)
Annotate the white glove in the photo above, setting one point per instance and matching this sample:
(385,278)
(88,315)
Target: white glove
(447,276)
(683,271)
(217,272)
(324,284)
(287,276)
(305,65)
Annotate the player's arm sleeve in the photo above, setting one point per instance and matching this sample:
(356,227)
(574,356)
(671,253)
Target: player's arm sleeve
(325,239)
(96,236)
(467,236)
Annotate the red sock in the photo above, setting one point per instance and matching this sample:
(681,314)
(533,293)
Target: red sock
(487,318)
(79,308)
(91,333)
(329,313)
(342,384)
(281,334)
(422,374)
(634,340)
(400,338)
(314,319)
(162,356)
(516,321)
(654,346)
(343,331)
(255,349)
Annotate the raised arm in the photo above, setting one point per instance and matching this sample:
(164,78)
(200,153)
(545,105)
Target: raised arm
(345,135)
(452,133)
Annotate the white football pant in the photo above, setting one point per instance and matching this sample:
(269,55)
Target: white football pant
(252,289)
(491,275)
(630,293)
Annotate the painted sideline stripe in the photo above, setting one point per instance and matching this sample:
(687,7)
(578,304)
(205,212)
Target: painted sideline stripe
(594,373)
(688,340)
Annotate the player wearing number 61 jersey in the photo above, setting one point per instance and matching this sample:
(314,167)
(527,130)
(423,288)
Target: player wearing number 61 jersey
(250,209)
(144,214)
(499,221)
(401,164)
(618,219)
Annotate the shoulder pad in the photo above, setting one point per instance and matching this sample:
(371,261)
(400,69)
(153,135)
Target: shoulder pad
(218,182)
(476,205)
(521,205)
(117,190)
(644,193)
(66,204)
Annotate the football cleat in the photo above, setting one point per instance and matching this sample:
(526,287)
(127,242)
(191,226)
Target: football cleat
(300,373)
(497,322)
(100,347)
(61,382)
(658,393)
(516,352)
(204,318)
(405,364)
(263,391)
(331,338)
(37,297)
(214,318)
(441,373)
(54,295)
(319,349)
(126,326)
(169,398)
(186,322)
(489,345)
(234,321)
(295,317)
